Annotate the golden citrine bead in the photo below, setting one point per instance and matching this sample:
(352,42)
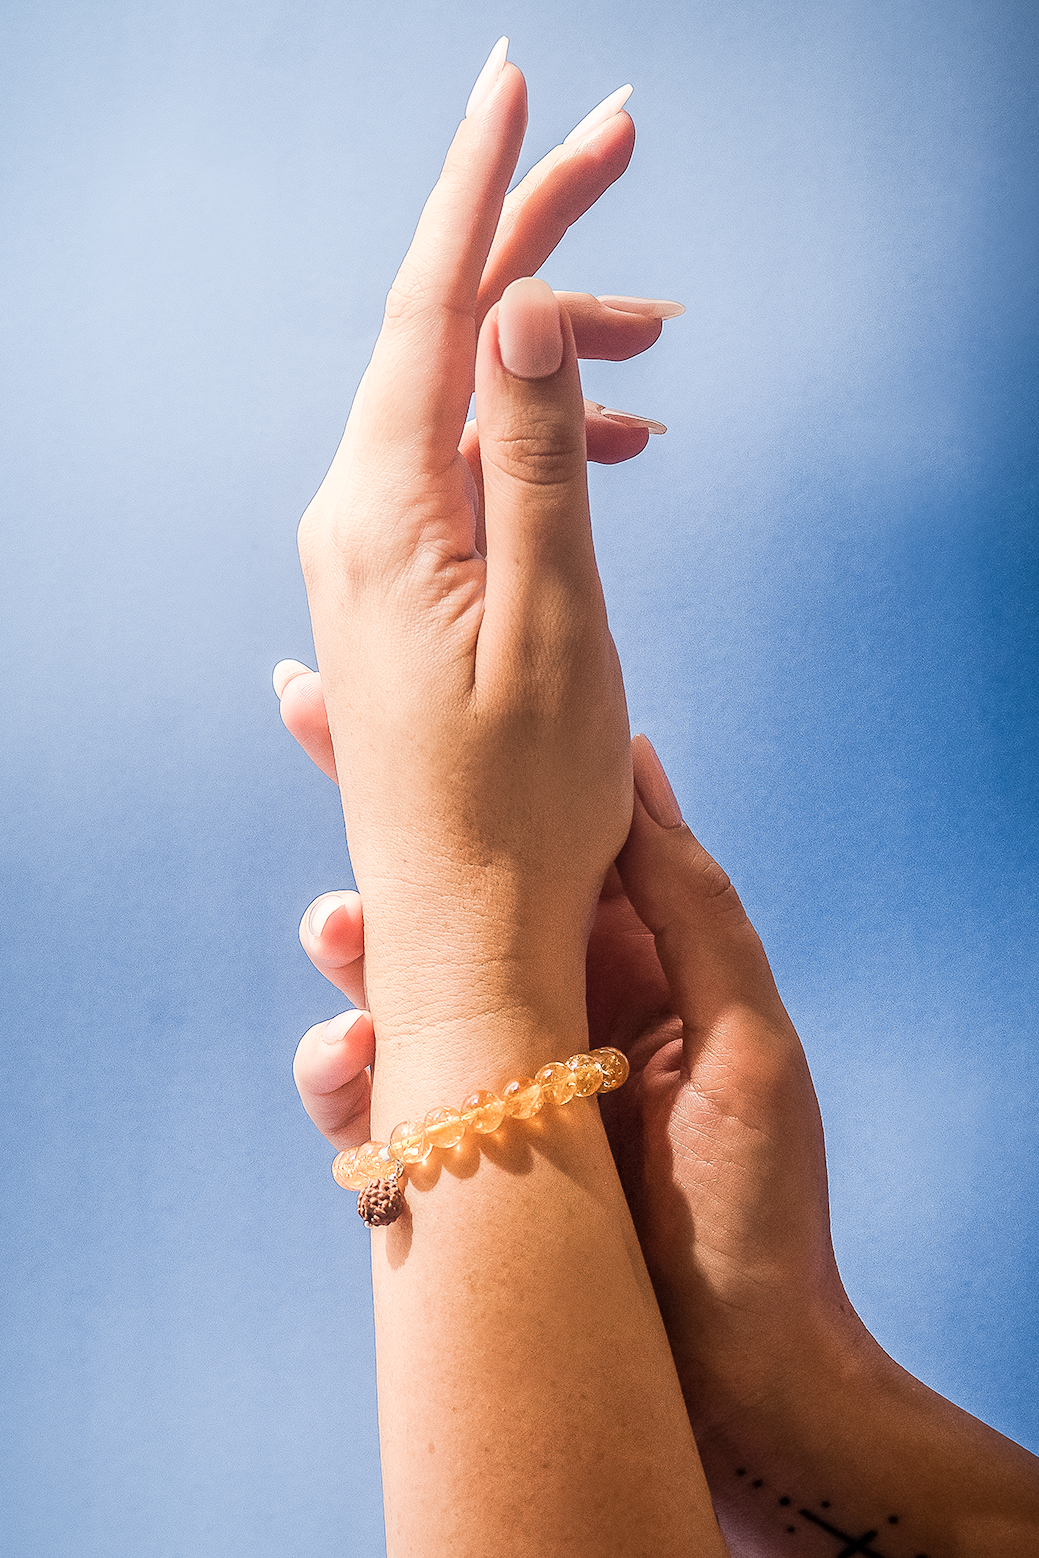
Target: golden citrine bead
(483,1112)
(444,1127)
(522,1098)
(345,1171)
(366,1165)
(558,1084)
(409,1143)
(614,1066)
(587,1074)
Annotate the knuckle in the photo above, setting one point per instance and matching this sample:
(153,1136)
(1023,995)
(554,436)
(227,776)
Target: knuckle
(542,453)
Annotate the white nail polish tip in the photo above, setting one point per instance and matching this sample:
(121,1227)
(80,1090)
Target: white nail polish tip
(607,108)
(484,84)
(321,911)
(648,308)
(629,419)
(336,1028)
(285,671)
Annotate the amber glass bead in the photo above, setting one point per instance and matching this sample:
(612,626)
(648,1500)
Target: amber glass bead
(614,1066)
(345,1171)
(483,1112)
(444,1127)
(364,1165)
(558,1084)
(409,1143)
(587,1074)
(522,1098)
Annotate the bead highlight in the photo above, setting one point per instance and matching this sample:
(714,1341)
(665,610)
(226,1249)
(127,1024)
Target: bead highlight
(483,1112)
(614,1066)
(409,1143)
(522,1098)
(588,1074)
(444,1127)
(558,1084)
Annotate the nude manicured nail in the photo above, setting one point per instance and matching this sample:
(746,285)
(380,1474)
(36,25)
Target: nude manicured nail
(649,308)
(651,782)
(530,336)
(321,911)
(599,116)
(629,419)
(285,671)
(486,80)
(337,1028)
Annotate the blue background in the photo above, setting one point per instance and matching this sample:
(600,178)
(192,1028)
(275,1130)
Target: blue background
(822,583)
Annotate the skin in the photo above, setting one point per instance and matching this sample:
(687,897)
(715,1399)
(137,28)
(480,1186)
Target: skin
(717,1135)
(477,719)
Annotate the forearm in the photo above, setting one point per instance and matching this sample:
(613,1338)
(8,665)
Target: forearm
(523,1363)
(843,1442)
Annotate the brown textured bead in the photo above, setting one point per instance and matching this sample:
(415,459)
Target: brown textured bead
(381,1203)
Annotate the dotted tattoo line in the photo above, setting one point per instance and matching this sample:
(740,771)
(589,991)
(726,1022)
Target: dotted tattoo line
(852,1546)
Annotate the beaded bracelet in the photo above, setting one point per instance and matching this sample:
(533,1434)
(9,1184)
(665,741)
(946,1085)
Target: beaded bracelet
(377,1168)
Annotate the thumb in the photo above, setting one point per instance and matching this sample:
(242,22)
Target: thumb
(531,421)
(712,958)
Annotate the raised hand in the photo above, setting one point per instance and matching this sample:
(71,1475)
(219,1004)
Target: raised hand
(477,718)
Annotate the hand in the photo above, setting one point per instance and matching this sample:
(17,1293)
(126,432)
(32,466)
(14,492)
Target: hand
(472,686)
(717,1129)
(716,1136)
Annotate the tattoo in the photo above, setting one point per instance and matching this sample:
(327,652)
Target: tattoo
(851,1546)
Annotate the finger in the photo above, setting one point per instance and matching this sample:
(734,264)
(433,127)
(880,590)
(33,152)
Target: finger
(708,949)
(332,935)
(330,1073)
(613,436)
(430,317)
(303,713)
(611,334)
(530,412)
(553,195)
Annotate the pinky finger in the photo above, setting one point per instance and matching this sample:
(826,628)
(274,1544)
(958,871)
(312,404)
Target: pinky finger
(330,1071)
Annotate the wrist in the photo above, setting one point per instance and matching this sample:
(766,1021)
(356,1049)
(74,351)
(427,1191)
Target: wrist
(454,1017)
(786,1407)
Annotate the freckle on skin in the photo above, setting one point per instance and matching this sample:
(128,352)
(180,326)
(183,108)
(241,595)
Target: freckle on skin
(432,1447)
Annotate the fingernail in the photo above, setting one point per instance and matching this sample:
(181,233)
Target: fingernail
(285,671)
(629,419)
(487,78)
(530,336)
(597,118)
(337,1028)
(321,911)
(651,782)
(649,308)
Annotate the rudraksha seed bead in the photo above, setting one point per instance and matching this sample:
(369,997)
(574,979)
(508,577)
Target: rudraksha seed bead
(483,1112)
(558,1084)
(614,1066)
(409,1143)
(522,1098)
(587,1074)
(381,1203)
(444,1127)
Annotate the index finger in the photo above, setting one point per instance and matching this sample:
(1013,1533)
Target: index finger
(554,194)
(418,383)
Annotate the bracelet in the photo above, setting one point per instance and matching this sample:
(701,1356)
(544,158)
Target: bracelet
(377,1168)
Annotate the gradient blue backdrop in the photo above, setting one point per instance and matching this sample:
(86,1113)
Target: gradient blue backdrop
(822,583)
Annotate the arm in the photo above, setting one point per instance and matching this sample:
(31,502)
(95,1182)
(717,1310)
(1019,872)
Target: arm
(477,720)
(807,1430)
